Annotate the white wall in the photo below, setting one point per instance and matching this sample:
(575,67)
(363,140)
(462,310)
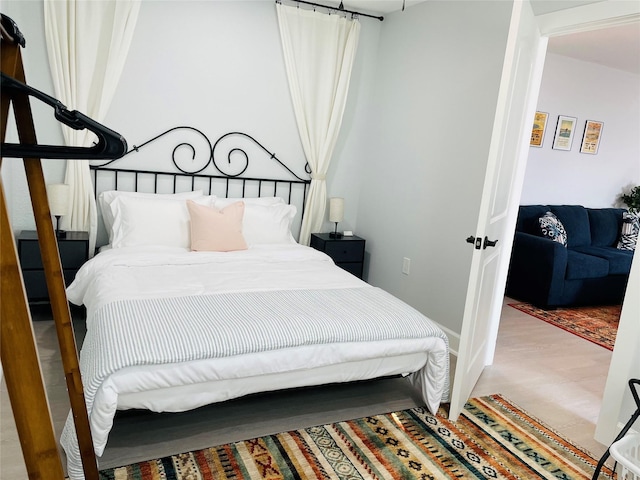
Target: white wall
(216,66)
(588,92)
(29,17)
(225,72)
(438,76)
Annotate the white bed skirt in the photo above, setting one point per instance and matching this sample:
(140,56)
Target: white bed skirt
(182,387)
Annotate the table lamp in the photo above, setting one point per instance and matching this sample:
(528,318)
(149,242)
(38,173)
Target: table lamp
(59,195)
(336,214)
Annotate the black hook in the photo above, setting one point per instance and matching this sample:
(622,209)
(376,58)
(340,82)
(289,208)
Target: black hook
(111,145)
(11,28)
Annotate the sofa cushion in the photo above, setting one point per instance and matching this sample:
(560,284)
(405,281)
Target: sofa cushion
(576,223)
(629,231)
(605,224)
(619,260)
(552,228)
(528,216)
(581,265)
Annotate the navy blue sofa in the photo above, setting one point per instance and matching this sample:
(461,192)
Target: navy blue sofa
(589,270)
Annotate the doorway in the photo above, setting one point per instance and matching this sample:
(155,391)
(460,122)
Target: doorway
(575,383)
(529,34)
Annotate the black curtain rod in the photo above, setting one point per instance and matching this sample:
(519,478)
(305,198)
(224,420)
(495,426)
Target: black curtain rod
(337,9)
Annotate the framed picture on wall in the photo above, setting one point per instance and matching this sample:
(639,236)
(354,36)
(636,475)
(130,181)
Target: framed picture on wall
(565,128)
(539,126)
(591,137)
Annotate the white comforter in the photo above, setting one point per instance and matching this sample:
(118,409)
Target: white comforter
(151,273)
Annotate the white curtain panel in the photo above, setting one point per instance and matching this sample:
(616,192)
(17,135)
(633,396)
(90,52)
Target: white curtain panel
(319,50)
(87,43)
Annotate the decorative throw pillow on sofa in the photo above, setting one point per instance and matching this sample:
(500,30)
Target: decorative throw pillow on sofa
(630,229)
(552,228)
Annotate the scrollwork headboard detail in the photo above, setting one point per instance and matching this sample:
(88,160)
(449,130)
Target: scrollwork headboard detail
(221,168)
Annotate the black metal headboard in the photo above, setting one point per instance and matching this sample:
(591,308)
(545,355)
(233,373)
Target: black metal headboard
(222,168)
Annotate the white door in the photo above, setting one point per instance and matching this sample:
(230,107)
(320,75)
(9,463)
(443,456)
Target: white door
(520,83)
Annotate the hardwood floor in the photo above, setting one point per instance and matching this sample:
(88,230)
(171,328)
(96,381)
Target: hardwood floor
(554,375)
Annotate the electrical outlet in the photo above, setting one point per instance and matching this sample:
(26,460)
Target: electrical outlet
(406,264)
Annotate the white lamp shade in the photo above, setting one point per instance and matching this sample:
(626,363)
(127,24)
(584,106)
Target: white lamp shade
(336,209)
(59,195)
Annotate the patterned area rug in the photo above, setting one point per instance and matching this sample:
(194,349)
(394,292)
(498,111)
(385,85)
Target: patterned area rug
(493,438)
(596,324)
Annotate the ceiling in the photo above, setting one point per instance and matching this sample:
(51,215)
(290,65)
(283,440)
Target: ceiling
(616,47)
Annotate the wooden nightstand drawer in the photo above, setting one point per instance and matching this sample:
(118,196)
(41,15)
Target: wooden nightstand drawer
(74,251)
(72,254)
(36,285)
(354,268)
(346,252)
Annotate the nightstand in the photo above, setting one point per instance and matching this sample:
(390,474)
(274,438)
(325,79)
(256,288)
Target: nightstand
(347,252)
(74,251)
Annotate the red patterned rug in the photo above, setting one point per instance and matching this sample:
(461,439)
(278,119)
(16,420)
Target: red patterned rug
(596,324)
(492,439)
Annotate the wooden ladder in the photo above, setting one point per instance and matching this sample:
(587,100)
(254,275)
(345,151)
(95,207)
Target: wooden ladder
(19,353)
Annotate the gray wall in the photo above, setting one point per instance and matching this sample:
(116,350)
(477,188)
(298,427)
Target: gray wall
(438,76)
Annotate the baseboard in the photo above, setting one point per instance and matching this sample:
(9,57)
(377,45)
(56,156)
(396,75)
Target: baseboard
(454,339)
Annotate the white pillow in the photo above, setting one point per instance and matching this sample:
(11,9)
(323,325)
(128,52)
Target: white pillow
(106,199)
(145,221)
(268,223)
(266,201)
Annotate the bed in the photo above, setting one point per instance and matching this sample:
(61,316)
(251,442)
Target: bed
(180,316)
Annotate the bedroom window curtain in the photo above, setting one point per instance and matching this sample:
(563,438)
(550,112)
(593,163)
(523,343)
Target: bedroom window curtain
(87,44)
(319,51)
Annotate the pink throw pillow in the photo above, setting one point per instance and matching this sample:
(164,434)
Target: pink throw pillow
(216,230)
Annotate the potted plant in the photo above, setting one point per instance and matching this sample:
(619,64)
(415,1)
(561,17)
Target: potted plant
(632,199)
